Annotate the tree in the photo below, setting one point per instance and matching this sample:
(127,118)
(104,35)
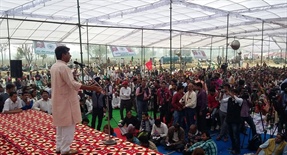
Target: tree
(3,47)
(18,56)
(98,51)
(43,56)
(25,51)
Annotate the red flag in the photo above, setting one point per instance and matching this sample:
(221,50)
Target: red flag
(149,65)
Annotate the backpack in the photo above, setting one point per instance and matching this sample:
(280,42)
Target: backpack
(254,143)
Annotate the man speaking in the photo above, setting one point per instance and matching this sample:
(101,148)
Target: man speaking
(66,108)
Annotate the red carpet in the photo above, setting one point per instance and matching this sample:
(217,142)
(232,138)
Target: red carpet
(31,132)
(119,134)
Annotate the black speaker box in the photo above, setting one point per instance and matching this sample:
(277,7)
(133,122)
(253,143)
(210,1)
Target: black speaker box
(16,68)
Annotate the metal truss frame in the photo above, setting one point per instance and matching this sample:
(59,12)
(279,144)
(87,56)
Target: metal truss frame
(130,11)
(24,7)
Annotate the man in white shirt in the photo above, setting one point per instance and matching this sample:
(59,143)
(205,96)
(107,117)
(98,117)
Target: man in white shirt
(44,104)
(223,98)
(159,132)
(125,95)
(89,104)
(87,77)
(12,105)
(109,71)
(189,101)
(116,102)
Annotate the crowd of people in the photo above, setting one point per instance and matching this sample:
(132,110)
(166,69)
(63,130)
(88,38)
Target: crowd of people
(185,106)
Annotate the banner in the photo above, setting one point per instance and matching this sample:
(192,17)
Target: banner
(41,47)
(199,54)
(122,51)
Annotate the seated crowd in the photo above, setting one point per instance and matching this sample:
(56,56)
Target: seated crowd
(186,107)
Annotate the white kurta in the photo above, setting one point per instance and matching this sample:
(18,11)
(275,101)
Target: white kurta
(65,103)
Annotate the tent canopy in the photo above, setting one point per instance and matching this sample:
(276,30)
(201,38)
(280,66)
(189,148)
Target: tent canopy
(195,23)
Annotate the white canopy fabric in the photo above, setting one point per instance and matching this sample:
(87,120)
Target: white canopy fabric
(195,23)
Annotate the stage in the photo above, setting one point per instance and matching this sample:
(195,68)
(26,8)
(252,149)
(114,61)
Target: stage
(32,132)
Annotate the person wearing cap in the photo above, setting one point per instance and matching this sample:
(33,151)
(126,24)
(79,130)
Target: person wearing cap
(125,95)
(66,111)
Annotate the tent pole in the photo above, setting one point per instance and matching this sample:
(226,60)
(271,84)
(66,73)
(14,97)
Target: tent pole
(180,50)
(262,43)
(88,47)
(281,54)
(227,38)
(286,50)
(106,60)
(9,43)
(211,49)
(142,51)
(153,61)
(170,36)
(144,59)
(269,48)
(80,38)
(252,50)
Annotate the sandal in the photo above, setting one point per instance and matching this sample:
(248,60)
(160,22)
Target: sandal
(71,152)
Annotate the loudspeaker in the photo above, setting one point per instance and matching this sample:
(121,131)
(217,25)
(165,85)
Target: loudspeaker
(16,68)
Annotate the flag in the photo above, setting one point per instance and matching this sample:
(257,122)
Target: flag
(149,65)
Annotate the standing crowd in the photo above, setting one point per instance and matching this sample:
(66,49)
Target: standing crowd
(177,110)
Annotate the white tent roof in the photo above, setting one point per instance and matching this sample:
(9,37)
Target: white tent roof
(122,22)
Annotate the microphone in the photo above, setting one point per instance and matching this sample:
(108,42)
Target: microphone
(80,64)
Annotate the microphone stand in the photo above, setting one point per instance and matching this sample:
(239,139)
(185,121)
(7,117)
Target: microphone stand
(109,141)
(82,70)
